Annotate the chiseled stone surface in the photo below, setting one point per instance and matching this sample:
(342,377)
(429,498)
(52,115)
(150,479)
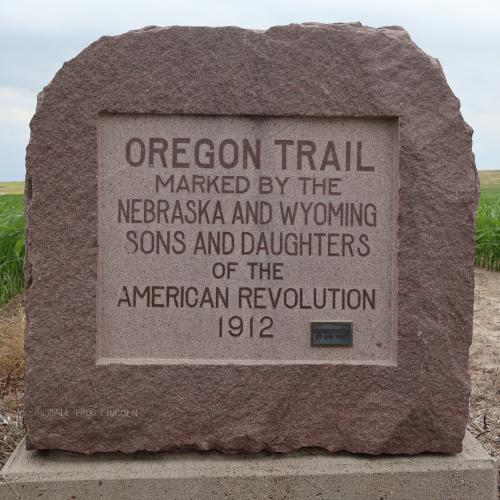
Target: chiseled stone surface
(194,335)
(339,70)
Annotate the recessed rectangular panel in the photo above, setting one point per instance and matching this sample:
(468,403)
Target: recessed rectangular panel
(221,239)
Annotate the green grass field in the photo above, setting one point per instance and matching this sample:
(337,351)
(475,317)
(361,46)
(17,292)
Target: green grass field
(11,245)
(487,252)
(12,231)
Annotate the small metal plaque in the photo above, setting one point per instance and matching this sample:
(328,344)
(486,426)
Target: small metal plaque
(331,334)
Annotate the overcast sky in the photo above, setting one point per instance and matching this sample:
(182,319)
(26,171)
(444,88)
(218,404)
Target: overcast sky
(37,37)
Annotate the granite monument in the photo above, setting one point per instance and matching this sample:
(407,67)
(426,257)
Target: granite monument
(249,240)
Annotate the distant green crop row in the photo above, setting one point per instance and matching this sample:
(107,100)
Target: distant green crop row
(11,246)
(487,251)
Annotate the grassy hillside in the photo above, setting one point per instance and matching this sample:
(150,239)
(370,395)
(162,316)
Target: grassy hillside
(490,179)
(11,188)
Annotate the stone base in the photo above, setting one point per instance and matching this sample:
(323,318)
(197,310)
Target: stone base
(307,474)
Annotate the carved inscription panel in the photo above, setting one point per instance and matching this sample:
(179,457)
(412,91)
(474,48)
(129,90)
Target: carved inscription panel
(247,240)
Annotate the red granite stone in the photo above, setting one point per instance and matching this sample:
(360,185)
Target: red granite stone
(338,70)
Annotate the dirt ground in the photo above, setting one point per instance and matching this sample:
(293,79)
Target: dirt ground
(484,414)
(484,421)
(11,376)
